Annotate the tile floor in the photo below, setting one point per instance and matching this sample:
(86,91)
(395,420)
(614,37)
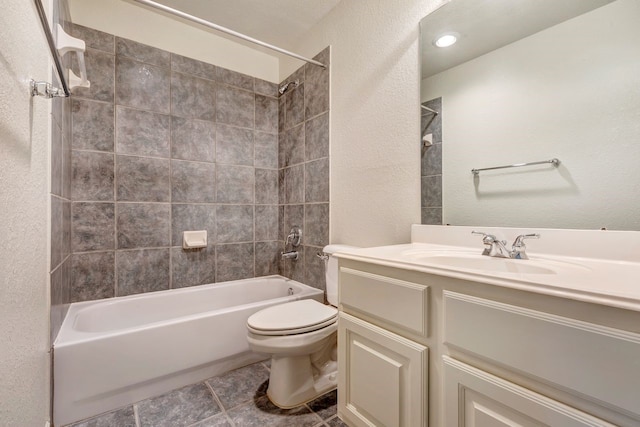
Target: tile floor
(235,399)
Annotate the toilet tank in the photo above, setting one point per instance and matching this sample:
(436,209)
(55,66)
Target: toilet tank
(331,271)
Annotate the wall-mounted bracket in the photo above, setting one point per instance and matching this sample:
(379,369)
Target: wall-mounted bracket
(46,90)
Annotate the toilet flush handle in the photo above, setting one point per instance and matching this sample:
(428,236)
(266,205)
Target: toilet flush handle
(322,256)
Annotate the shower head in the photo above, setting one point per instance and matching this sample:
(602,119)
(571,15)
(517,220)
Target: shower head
(286,86)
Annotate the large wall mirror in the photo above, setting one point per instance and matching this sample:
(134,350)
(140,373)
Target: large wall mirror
(530,81)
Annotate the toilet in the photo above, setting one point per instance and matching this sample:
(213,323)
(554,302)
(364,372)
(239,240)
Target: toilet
(301,337)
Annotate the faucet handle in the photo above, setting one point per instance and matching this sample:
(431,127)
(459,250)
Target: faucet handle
(518,248)
(490,241)
(487,239)
(519,242)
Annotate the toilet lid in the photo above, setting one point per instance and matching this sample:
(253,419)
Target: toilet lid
(293,317)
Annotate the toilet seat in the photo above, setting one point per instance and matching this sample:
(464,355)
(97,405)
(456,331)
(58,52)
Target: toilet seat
(292,318)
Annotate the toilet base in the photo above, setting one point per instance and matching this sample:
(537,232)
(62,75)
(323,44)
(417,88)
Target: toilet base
(295,380)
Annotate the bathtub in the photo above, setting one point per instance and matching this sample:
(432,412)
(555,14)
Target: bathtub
(115,352)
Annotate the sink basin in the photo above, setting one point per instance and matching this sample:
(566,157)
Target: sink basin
(483,263)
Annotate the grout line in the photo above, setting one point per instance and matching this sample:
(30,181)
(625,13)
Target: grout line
(316,116)
(218,401)
(183,203)
(136,415)
(171,172)
(314,413)
(115,205)
(244,242)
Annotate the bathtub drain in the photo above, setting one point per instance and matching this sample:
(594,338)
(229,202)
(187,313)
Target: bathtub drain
(290,291)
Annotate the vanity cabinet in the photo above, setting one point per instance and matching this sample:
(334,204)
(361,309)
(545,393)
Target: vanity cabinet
(419,349)
(382,371)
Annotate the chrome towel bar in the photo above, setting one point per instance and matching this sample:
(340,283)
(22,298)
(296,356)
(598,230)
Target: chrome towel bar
(555,162)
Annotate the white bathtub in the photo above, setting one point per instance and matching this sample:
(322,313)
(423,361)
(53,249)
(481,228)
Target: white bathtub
(115,352)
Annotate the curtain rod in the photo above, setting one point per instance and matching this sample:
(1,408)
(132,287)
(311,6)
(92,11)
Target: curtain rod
(227,31)
(57,62)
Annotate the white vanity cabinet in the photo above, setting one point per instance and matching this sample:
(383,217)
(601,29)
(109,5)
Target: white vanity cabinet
(498,357)
(382,369)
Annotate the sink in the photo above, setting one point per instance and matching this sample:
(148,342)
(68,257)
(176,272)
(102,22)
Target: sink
(482,263)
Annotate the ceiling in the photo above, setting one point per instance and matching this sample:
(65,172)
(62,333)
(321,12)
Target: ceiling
(486,25)
(278,22)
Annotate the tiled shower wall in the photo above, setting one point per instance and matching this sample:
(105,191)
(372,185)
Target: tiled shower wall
(304,167)
(60,261)
(431,164)
(162,144)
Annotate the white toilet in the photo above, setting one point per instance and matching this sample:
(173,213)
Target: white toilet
(301,337)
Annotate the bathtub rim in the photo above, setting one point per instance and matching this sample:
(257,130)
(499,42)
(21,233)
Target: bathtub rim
(68,335)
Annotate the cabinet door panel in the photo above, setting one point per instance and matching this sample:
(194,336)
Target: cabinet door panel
(382,377)
(574,355)
(481,411)
(475,398)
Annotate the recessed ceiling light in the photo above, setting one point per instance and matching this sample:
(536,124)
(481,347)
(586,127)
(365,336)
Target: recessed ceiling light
(445,40)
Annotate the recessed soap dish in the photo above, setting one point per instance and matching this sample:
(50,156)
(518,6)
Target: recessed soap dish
(194,239)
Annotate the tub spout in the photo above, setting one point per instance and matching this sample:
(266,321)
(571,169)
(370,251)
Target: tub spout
(290,255)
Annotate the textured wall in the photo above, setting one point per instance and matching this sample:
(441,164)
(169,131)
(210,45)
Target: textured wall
(304,167)
(163,144)
(123,19)
(24,199)
(375,118)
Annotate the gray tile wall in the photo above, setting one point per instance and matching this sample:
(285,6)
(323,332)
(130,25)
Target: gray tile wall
(162,144)
(304,168)
(60,193)
(431,170)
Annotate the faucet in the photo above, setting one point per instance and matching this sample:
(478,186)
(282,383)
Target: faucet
(290,255)
(498,248)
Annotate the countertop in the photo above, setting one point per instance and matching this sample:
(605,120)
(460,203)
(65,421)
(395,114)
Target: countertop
(584,277)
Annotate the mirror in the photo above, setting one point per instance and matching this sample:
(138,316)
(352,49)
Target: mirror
(530,81)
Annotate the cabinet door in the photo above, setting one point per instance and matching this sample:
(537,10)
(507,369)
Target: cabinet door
(474,398)
(382,377)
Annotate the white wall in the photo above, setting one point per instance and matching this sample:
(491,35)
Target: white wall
(24,192)
(158,29)
(375,76)
(570,92)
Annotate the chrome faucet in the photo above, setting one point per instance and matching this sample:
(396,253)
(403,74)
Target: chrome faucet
(498,248)
(290,255)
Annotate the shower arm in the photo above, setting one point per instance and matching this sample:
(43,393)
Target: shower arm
(229,31)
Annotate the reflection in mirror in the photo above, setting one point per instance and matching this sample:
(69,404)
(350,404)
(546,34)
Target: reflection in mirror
(529,81)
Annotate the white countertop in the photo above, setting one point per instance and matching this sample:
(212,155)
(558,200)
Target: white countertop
(595,267)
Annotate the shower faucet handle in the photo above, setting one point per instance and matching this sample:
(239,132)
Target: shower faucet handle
(294,237)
